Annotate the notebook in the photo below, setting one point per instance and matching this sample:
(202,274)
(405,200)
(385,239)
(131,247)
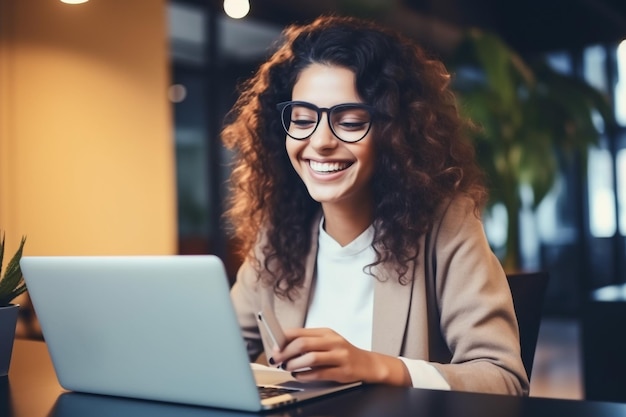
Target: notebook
(152,327)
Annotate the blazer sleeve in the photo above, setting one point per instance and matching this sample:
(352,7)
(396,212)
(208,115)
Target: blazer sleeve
(247,302)
(476,315)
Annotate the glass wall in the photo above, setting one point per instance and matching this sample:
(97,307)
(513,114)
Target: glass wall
(605,68)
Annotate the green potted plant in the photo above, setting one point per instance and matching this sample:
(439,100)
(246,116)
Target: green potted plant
(11,285)
(533,121)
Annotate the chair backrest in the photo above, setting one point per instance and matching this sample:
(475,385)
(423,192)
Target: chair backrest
(528,290)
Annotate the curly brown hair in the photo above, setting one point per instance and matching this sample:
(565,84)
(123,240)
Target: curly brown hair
(423,154)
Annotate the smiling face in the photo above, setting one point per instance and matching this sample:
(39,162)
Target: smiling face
(336,174)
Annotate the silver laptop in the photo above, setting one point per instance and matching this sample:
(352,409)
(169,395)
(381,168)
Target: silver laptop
(152,327)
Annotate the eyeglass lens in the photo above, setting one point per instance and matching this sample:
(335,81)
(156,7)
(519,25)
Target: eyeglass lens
(349,122)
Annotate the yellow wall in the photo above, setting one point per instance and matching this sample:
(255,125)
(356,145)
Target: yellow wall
(86,147)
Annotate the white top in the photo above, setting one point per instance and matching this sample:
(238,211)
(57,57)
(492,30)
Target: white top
(343,296)
(343,299)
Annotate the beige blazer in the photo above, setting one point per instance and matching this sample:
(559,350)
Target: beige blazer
(457,312)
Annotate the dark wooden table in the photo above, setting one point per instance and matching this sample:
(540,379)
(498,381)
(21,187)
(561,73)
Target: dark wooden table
(31,390)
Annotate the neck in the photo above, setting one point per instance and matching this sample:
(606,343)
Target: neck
(344,224)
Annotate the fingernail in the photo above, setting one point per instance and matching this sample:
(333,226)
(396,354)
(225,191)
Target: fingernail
(271,361)
(294,374)
(283,365)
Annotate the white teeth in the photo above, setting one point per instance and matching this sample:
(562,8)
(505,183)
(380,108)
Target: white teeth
(328,166)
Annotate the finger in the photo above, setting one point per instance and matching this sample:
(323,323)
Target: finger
(274,353)
(309,374)
(341,365)
(324,374)
(313,360)
(301,345)
(319,342)
(304,332)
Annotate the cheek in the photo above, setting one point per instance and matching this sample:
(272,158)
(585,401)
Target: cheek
(367,156)
(293,149)
(368,172)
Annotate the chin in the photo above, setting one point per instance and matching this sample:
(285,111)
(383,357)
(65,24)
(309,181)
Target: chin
(323,198)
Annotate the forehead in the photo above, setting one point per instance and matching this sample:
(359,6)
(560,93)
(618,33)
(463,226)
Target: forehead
(326,85)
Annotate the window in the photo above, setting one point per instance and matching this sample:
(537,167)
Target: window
(210,53)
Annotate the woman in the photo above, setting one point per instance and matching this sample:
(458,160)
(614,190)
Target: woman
(356,199)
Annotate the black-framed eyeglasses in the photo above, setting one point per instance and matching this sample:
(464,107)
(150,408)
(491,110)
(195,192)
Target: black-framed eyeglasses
(349,122)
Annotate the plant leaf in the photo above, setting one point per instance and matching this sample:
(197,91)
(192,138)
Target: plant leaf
(12,295)
(1,253)
(12,280)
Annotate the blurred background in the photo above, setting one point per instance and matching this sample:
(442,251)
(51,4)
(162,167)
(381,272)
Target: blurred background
(110,113)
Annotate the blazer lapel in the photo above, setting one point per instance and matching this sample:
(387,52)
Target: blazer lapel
(391,311)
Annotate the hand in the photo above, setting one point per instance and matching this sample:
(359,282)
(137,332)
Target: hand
(331,357)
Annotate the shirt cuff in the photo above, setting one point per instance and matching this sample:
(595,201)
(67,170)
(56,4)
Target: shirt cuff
(424,375)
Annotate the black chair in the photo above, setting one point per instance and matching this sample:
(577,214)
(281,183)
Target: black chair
(604,344)
(528,290)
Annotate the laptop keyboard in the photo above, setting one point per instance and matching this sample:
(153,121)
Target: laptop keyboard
(269,391)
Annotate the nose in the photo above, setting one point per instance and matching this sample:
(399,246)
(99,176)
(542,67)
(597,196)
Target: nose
(323,137)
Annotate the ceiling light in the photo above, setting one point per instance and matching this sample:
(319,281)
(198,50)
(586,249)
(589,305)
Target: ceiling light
(74,1)
(236,8)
